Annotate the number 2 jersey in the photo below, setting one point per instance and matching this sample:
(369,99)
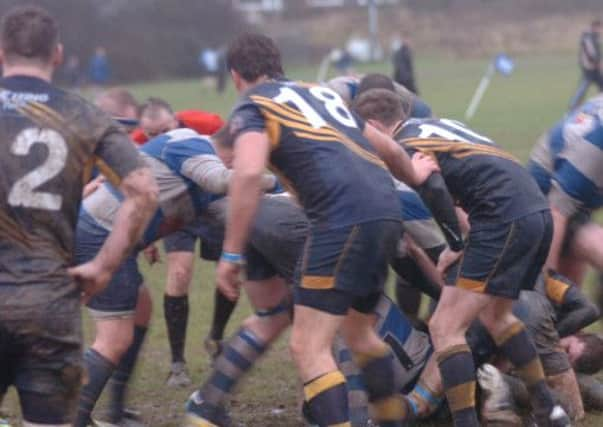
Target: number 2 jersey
(319,153)
(487,182)
(50,141)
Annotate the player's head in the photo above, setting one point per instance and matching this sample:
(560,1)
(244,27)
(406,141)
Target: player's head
(29,38)
(585,352)
(381,108)
(252,58)
(118,102)
(157,117)
(375,81)
(223,143)
(596,25)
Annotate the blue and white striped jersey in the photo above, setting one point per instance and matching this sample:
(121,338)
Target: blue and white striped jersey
(189,174)
(567,162)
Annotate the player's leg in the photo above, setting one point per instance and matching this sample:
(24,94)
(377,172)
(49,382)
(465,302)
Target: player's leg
(223,309)
(121,376)
(113,311)
(518,268)
(272,301)
(179,247)
(211,248)
(47,366)
(344,269)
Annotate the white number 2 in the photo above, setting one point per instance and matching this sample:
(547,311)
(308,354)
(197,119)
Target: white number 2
(23,193)
(332,102)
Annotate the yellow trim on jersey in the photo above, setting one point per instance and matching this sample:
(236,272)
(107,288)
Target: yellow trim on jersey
(457,149)
(273,130)
(107,171)
(555,288)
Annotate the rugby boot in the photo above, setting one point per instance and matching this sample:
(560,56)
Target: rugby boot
(178,376)
(200,413)
(556,417)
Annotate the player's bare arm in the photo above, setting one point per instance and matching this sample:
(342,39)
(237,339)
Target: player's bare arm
(251,153)
(140,202)
(413,172)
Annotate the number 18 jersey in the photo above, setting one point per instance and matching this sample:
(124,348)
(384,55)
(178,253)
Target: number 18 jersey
(319,153)
(48,139)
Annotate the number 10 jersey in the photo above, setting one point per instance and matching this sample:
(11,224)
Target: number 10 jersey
(319,153)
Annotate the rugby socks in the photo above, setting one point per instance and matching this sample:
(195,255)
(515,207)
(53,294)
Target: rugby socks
(326,400)
(388,406)
(458,377)
(223,308)
(422,401)
(239,354)
(121,376)
(357,398)
(516,345)
(175,310)
(99,370)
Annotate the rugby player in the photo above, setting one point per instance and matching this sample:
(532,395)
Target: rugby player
(508,242)
(52,138)
(329,159)
(157,116)
(566,163)
(190,176)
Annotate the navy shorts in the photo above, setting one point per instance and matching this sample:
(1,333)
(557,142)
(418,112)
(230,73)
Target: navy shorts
(183,240)
(347,267)
(503,259)
(121,294)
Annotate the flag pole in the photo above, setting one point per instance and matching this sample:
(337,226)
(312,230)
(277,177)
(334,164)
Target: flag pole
(479,92)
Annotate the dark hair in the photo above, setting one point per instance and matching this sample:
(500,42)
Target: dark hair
(29,32)
(596,23)
(591,360)
(375,81)
(381,105)
(154,105)
(253,56)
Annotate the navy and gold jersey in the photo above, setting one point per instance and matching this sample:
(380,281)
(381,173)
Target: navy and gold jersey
(487,182)
(50,141)
(319,153)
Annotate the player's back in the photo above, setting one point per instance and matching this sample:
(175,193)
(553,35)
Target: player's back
(173,158)
(320,153)
(489,183)
(49,140)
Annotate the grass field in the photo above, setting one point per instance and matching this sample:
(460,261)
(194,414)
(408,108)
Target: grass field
(514,112)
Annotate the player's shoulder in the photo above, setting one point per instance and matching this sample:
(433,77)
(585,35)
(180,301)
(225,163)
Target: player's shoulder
(411,128)
(188,141)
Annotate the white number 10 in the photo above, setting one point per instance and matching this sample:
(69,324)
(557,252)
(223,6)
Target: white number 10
(23,192)
(332,102)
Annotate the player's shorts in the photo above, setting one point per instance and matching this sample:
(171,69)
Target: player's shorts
(277,239)
(121,294)
(347,267)
(184,240)
(41,355)
(503,259)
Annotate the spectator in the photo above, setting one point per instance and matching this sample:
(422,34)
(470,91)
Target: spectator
(590,62)
(402,60)
(73,72)
(99,69)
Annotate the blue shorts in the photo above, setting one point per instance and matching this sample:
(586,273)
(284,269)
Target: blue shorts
(347,267)
(503,259)
(121,294)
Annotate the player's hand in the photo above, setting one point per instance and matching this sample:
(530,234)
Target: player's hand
(447,259)
(424,166)
(91,277)
(228,281)
(151,254)
(92,186)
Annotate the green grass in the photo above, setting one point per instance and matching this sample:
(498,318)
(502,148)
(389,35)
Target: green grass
(514,112)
